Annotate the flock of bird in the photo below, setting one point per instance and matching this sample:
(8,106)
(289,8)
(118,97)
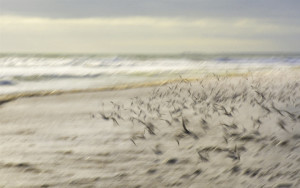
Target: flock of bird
(236,111)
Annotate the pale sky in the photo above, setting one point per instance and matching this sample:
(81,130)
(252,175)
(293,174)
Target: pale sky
(143,26)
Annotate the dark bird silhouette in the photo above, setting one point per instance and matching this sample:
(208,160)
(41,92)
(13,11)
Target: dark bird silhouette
(132,141)
(261,94)
(232,126)
(266,109)
(149,126)
(276,109)
(225,139)
(226,112)
(234,154)
(202,157)
(291,115)
(105,117)
(186,131)
(167,121)
(157,150)
(114,120)
(184,127)
(282,124)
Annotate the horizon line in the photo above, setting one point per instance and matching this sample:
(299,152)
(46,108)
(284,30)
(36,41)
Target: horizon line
(156,53)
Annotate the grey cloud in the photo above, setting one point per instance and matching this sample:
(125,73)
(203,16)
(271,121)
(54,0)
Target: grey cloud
(286,10)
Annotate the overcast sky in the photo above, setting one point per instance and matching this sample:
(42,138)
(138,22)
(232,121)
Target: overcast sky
(143,26)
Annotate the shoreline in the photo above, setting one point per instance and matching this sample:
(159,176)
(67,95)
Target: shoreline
(4,98)
(14,96)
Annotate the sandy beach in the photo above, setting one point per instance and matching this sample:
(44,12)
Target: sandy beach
(219,131)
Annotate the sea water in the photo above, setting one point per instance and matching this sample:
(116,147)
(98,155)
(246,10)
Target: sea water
(49,72)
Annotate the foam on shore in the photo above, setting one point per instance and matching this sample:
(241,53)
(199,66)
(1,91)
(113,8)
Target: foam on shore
(14,96)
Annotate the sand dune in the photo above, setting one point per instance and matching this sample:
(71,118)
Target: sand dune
(214,132)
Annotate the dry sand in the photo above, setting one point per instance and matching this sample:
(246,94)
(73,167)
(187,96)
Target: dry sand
(215,132)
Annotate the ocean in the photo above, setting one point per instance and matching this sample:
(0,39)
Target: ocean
(21,73)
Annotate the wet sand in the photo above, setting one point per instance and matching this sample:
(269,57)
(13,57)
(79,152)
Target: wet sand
(215,132)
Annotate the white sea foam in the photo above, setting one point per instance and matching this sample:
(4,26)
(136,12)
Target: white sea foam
(20,73)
